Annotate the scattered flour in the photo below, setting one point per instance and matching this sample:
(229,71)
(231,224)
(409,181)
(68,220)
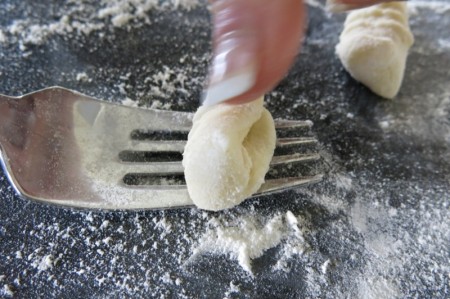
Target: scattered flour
(122,12)
(324,267)
(2,37)
(444,43)
(163,85)
(35,34)
(6,291)
(45,263)
(166,82)
(247,238)
(119,13)
(83,77)
(233,289)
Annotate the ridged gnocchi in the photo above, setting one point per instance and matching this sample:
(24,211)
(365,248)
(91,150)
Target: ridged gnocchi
(374,45)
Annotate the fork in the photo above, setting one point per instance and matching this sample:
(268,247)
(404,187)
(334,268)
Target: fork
(65,148)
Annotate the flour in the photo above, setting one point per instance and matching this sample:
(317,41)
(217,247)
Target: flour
(444,43)
(6,291)
(247,238)
(168,81)
(2,37)
(45,263)
(245,241)
(233,290)
(164,86)
(129,102)
(83,77)
(324,267)
(82,18)
(120,11)
(387,247)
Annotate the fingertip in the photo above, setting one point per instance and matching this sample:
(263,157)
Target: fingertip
(263,36)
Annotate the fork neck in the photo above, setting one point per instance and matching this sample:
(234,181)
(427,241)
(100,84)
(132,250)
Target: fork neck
(6,111)
(15,115)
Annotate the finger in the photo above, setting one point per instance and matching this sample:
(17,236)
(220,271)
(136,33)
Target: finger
(254,44)
(345,5)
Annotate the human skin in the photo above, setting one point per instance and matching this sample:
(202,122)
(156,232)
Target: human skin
(254,44)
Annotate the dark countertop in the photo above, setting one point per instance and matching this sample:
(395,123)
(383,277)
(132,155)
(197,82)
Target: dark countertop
(376,227)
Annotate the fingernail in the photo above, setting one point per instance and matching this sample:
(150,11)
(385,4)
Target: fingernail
(234,66)
(230,87)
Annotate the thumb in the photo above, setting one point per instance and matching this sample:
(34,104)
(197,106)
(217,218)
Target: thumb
(254,44)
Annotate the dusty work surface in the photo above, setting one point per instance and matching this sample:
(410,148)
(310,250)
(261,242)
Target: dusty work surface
(376,227)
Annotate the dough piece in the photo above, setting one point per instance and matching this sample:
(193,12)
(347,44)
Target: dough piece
(228,153)
(374,45)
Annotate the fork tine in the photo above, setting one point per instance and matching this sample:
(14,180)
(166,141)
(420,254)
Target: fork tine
(156,146)
(151,168)
(291,124)
(178,145)
(177,167)
(294,158)
(276,185)
(177,196)
(157,197)
(295,141)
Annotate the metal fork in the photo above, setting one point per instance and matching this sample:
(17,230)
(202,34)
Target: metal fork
(62,147)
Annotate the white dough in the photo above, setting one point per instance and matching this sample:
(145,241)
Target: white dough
(374,45)
(228,153)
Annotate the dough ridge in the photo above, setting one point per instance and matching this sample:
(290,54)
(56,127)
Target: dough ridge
(374,44)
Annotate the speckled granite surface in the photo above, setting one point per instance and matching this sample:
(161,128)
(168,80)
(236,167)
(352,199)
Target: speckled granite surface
(376,227)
